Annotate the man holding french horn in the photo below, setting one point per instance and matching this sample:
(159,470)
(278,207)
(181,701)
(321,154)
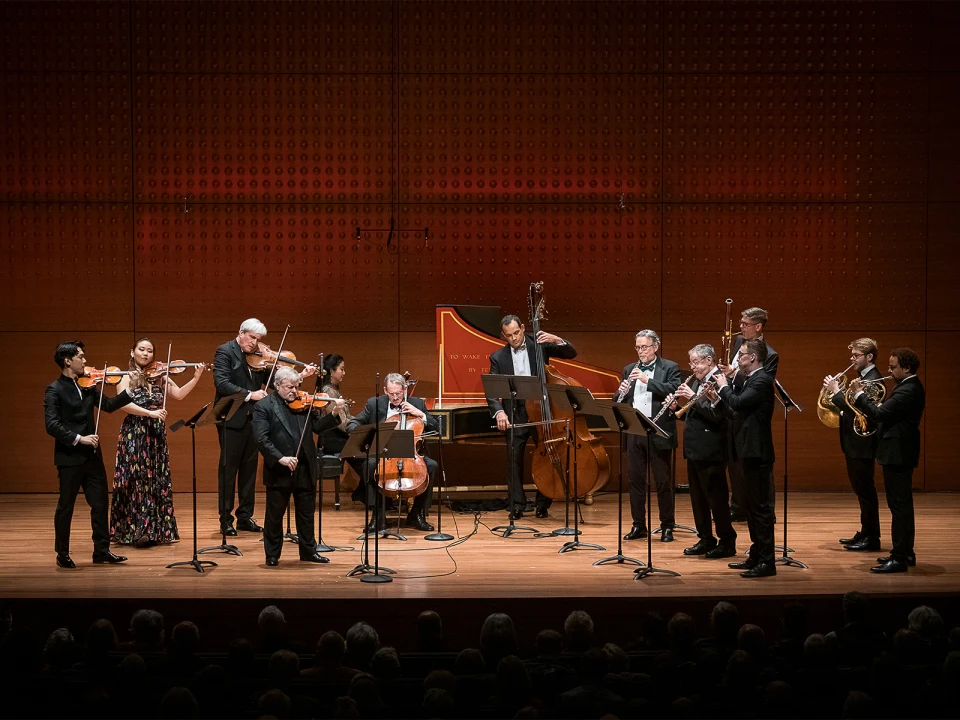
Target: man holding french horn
(858,441)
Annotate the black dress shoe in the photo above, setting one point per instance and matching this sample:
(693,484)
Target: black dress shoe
(702,547)
(373,526)
(315,558)
(865,543)
(636,533)
(763,569)
(890,566)
(516,515)
(911,560)
(107,558)
(857,537)
(721,551)
(419,522)
(542,512)
(272,561)
(64,561)
(228,531)
(249,525)
(666,535)
(747,564)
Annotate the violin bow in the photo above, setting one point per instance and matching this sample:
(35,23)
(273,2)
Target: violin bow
(303,431)
(103,385)
(166,377)
(277,359)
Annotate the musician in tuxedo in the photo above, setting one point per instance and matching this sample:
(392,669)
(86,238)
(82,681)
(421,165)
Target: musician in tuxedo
(646,384)
(290,466)
(68,411)
(750,409)
(519,357)
(705,450)
(860,452)
(237,470)
(898,451)
(753,321)
(388,409)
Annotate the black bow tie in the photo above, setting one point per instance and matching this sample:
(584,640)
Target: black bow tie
(645,368)
(395,407)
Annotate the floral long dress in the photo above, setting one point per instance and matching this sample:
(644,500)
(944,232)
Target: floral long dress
(142,510)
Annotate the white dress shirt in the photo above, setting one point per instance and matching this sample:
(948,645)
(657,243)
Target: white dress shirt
(642,398)
(521,361)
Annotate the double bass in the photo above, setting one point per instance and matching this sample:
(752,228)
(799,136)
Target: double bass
(405,477)
(549,469)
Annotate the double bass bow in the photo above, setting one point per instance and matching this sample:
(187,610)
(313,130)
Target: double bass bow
(549,469)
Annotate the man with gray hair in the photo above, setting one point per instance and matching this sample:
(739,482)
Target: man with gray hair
(394,407)
(237,470)
(646,384)
(290,465)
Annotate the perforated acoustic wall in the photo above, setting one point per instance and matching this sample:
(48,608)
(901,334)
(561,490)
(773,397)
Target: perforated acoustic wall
(171,168)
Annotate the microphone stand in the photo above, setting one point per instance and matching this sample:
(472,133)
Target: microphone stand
(440,535)
(788,404)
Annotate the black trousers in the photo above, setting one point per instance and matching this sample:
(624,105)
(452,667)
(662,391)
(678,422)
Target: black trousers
(237,472)
(421,503)
(737,501)
(708,496)
(759,504)
(92,478)
(516,457)
(898,484)
(860,474)
(304,503)
(637,475)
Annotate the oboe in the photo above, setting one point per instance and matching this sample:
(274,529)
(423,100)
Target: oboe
(623,394)
(671,397)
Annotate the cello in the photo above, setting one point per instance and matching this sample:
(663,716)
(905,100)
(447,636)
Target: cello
(405,477)
(550,458)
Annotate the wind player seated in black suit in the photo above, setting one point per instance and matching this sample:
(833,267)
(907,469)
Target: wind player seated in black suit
(898,451)
(646,384)
(750,407)
(519,357)
(289,466)
(705,450)
(753,322)
(68,413)
(860,452)
(389,408)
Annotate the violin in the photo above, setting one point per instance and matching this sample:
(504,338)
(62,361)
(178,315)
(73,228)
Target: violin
(91,376)
(155,369)
(302,401)
(405,477)
(263,357)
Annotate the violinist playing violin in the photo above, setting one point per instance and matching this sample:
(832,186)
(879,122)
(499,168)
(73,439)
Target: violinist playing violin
(290,463)
(519,357)
(69,414)
(237,470)
(389,409)
(142,510)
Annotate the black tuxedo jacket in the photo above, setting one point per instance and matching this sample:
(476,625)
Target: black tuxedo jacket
(704,430)
(374,413)
(899,420)
(770,364)
(666,378)
(68,414)
(501,363)
(751,410)
(853,445)
(277,430)
(231,375)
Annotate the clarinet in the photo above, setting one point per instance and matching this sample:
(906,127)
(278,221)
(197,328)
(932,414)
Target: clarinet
(622,395)
(671,397)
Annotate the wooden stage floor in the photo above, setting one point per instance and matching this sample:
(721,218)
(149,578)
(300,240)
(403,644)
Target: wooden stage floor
(479,564)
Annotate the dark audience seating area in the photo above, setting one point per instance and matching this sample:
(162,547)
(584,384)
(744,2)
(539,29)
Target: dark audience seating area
(677,667)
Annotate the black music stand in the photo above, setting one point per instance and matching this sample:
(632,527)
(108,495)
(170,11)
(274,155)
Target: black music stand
(225,408)
(515,387)
(624,423)
(788,405)
(192,424)
(403,447)
(651,429)
(439,535)
(361,440)
(579,401)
